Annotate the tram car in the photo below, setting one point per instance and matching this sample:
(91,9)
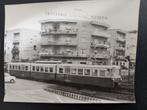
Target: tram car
(94,75)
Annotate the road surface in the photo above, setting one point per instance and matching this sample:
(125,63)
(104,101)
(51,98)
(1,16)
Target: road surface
(33,91)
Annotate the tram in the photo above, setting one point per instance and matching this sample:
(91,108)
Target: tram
(96,75)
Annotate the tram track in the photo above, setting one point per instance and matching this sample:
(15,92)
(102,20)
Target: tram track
(103,93)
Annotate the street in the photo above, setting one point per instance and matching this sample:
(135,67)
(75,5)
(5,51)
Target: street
(33,91)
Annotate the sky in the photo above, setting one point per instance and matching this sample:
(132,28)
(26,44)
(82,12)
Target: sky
(119,14)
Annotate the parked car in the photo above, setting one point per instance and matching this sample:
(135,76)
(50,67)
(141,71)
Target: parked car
(9,78)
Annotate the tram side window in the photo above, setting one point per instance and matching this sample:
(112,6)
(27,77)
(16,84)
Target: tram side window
(95,73)
(37,68)
(46,69)
(102,72)
(87,72)
(74,71)
(41,69)
(26,68)
(67,70)
(60,70)
(16,67)
(13,67)
(80,71)
(51,70)
(33,68)
(109,72)
(23,68)
(19,67)
(10,67)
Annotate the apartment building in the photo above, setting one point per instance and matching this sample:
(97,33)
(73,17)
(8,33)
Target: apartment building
(21,45)
(118,47)
(75,41)
(131,46)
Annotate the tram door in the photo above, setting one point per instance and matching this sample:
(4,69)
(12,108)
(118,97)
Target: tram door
(67,73)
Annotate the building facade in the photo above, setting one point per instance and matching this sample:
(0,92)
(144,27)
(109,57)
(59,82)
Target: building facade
(21,45)
(131,47)
(118,47)
(72,41)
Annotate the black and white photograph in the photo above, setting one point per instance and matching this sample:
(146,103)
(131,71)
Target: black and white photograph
(71,51)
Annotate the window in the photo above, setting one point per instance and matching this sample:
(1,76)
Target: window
(18,67)
(95,72)
(22,68)
(69,62)
(60,70)
(67,70)
(74,71)
(102,72)
(35,47)
(82,62)
(80,71)
(46,69)
(15,67)
(56,26)
(116,63)
(83,51)
(33,68)
(26,68)
(10,66)
(41,69)
(87,72)
(16,34)
(51,70)
(109,72)
(37,68)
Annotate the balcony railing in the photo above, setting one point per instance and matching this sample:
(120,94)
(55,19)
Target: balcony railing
(120,48)
(101,55)
(100,34)
(96,45)
(121,39)
(58,32)
(46,54)
(120,57)
(53,43)
(15,40)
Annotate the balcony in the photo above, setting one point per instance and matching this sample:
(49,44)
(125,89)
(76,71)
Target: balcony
(100,24)
(120,57)
(104,55)
(99,45)
(15,40)
(100,34)
(54,43)
(59,32)
(46,54)
(120,48)
(121,39)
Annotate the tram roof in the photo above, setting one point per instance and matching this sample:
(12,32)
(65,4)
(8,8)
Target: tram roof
(75,65)
(96,66)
